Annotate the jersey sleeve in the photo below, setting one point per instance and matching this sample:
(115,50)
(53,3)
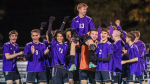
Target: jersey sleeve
(135,52)
(73,24)
(110,49)
(5,49)
(44,48)
(119,27)
(97,49)
(91,24)
(111,29)
(27,50)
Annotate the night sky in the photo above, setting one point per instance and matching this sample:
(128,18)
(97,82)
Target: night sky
(25,15)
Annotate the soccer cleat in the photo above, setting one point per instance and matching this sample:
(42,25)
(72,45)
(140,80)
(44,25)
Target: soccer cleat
(73,67)
(91,65)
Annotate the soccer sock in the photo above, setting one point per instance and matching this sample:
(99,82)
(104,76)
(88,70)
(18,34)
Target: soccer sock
(91,53)
(72,57)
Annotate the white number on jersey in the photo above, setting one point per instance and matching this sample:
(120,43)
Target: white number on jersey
(100,51)
(81,25)
(36,52)
(61,50)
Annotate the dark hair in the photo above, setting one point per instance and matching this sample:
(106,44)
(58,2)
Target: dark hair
(60,32)
(131,36)
(93,30)
(137,33)
(105,30)
(68,29)
(13,32)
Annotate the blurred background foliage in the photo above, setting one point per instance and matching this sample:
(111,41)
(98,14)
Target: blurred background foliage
(134,14)
(25,15)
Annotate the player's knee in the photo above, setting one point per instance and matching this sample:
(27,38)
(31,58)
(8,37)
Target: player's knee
(83,81)
(9,82)
(71,81)
(131,82)
(107,82)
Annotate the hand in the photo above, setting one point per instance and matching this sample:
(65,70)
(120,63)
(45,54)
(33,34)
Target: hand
(21,53)
(74,40)
(124,51)
(88,33)
(118,22)
(32,49)
(43,24)
(46,51)
(123,62)
(66,18)
(52,18)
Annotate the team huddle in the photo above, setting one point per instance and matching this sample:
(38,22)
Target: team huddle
(80,53)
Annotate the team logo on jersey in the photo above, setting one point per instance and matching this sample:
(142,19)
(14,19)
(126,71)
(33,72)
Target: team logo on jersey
(77,21)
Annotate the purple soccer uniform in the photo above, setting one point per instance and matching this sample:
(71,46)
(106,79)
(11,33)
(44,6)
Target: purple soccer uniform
(82,25)
(99,32)
(48,60)
(9,65)
(59,53)
(141,47)
(117,57)
(36,62)
(103,49)
(135,67)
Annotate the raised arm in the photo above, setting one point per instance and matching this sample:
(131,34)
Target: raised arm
(50,36)
(64,22)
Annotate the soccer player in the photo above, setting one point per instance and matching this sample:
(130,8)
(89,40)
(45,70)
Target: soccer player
(34,52)
(103,57)
(117,57)
(10,53)
(81,25)
(134,59)
(73,75)
(85,72)
(142,48)
(59,53)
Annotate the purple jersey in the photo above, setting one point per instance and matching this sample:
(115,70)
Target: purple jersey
(99,32)
(103,49)
(117,56)
(59,53)
(48,60)
(82,25)
(141,47)
(9,65)
(135,67)
(36,62)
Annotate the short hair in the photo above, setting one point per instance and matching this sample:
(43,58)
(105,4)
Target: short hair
(93,30)
(68,29)
(105,30)
(80,5)
(137,33)
(131,36)
(114,27)
(60,32)
(44,37)
(121,35)
(35,31)
(13,32)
